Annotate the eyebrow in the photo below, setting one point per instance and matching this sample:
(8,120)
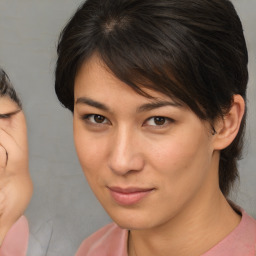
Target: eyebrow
(157,104)
(92,103)
(142,108)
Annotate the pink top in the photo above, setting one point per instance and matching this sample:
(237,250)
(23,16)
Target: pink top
(112,241)
(16,240)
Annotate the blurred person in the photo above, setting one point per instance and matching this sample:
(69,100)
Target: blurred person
(15,181)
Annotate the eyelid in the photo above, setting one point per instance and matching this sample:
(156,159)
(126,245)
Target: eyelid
(168,121)
(8,115)
(86,117)
(4,116)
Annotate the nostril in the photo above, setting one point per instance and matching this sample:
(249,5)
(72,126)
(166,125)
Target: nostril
(125,154)
(122,166)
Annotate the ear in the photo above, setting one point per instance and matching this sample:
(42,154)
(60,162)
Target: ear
(228,126)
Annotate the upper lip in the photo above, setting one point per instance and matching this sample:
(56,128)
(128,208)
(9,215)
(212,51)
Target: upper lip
(129,189)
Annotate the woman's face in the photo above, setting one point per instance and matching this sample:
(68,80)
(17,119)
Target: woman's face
(148,161)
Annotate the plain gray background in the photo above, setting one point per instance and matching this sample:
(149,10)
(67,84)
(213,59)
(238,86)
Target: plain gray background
(63,210)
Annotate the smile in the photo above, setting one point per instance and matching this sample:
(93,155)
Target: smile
(129,196)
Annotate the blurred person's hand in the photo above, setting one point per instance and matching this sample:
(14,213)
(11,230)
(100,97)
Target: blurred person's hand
(15,182)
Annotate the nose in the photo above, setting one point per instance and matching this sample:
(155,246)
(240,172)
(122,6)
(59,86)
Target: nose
(125,155)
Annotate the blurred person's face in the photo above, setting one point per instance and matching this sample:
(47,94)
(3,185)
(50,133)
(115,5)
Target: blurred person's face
(15,182)
(147,160)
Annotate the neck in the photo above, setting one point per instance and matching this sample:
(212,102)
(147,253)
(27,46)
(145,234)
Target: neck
(192,232)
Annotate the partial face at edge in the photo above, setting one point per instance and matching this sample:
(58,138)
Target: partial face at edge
(146,160)
(15,182)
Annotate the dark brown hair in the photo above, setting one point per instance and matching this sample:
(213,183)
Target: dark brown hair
(191,50)
(6,88)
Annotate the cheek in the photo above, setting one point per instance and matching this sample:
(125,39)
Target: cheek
(89,152)
(88,155)
(181,161)
(174,152)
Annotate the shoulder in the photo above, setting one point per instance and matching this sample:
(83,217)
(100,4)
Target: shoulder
(109,240)
(16,240)
(241,241)
(248,227)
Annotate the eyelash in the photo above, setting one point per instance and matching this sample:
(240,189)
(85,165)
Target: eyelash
(4,116)
(87,117)
(155,119)
(8,115)
(166,120)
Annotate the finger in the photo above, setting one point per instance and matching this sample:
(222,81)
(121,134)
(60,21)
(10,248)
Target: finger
(2,201)
(17,156)
(3,158)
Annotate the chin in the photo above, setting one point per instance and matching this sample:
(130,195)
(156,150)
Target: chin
(132,220)
(132,226)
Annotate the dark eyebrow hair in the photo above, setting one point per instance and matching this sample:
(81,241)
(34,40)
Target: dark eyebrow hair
(93,103)
(157,104)
(142,108)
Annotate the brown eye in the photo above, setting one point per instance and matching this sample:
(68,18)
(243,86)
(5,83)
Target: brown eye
(95,119)
(159,120)
(99,119)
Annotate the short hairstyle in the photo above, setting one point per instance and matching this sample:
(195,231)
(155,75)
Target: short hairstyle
(6,88)
(191,50)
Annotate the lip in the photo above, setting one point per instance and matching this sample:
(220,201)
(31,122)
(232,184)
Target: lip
(130,195)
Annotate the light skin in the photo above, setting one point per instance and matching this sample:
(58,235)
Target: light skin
(130,142)
(15,181)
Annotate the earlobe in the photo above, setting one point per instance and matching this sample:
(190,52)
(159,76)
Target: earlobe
(228,126)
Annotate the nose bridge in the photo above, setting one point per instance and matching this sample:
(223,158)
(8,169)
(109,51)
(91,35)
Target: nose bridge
(125,154)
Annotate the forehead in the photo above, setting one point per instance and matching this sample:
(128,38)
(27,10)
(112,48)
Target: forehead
(95,79)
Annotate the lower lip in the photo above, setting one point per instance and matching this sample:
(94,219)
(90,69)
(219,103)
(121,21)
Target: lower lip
(129,198)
